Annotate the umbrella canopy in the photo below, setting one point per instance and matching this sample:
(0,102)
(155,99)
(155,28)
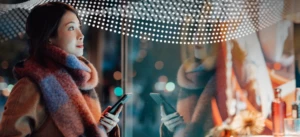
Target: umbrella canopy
(171,21)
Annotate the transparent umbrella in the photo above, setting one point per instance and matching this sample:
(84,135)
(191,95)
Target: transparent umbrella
(169,21)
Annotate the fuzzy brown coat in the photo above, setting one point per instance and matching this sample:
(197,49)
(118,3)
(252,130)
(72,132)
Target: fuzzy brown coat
(194,99)
(26,115)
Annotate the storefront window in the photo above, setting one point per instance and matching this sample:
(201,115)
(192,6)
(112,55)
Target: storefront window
(214,66)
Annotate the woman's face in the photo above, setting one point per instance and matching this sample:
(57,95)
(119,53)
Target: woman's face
(69,36)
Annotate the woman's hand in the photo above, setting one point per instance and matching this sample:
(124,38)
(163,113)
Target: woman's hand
(108,120)
(173,121)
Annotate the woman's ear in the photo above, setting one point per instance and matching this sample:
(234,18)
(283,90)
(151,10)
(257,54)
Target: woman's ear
(51,41)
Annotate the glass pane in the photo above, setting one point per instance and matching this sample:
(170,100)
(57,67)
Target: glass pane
(217,88)
(213,65)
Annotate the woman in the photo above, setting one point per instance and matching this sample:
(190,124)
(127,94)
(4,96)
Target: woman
(196,78)
(212,83)
(55,93)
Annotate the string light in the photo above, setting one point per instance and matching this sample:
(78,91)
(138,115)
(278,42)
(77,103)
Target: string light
(158,20)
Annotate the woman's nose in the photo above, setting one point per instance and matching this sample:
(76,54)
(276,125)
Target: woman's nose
(80,36)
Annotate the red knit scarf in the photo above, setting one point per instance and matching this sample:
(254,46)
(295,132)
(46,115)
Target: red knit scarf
(67,84)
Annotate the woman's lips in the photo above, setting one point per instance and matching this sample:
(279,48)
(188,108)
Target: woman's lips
(79,46)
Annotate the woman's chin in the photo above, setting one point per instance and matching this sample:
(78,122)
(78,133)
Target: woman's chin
(78,54)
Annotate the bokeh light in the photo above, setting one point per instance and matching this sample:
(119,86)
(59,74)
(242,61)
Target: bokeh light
(160,86)
(159,65)
(170,86)
(163,79)
(117,75)
(118,91)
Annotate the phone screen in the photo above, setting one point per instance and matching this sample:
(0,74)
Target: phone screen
(120,102)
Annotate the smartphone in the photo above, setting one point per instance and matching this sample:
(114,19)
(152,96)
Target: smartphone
(160,100)
(120,102)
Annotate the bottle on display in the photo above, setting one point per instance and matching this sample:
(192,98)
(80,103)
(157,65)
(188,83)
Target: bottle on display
(297,102)
(295,111)
(278,113)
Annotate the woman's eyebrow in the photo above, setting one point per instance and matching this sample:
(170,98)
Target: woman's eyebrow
(71,22)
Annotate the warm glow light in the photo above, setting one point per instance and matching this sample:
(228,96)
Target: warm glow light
(117,75)
(163,79)
(5,92)
(159,65)
(277,66)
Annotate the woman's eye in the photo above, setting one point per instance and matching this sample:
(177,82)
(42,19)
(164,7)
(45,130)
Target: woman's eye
(71,28)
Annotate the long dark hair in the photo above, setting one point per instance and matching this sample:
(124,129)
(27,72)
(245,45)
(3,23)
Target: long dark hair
(42,24)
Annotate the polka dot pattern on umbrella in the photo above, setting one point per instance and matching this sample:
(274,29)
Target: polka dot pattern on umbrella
(178,22)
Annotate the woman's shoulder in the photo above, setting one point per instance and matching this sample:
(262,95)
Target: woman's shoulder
(25,82)
(26,87)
